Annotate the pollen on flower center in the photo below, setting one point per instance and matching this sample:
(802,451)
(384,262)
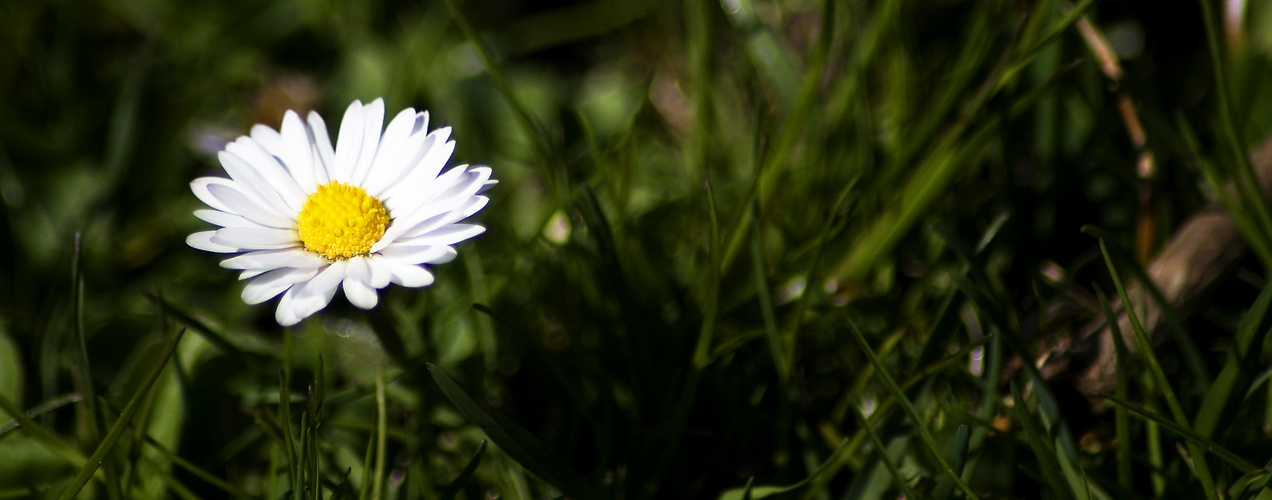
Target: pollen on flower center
(341,221)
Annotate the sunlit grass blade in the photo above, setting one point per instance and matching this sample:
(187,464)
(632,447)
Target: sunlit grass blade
(108,442)
(516,442)
(460,480)
(915,417)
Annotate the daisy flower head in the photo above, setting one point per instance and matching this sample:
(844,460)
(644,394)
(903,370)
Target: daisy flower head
(305,218)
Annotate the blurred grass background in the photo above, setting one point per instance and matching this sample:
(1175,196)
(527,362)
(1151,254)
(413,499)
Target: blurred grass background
(739,248)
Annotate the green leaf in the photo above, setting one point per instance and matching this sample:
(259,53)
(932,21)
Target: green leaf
(519,444)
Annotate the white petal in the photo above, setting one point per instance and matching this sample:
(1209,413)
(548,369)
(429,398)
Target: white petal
(380,274)
(203,241)
(269,139)
(398,147)
(324,168)
(309,297)
(473,205)
(272,283)
(422,174)
(274,259)
(298,154)
(372,122)
(417,220)
(251,273)
(449,234)
(257,238)
(251,166)
(404,274)
(223,219)
(356,284)
(200,188)
(247,206)
(419,254)
(349,143)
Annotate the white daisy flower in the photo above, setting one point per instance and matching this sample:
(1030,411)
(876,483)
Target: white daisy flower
(306,218)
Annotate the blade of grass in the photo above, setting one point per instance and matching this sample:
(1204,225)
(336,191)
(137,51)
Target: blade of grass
(381,423)
(284,427)
(1240,464)
(519,444)
(460,480)
(92,414)
(1188,348)
(958,455)
(701,352)
(117,430)
(1259,242)
(1247,184)
(364,491)
(41,409)
(1233,383)
(1146,350)
(914,415)
(212,335)
(842,453)
(551,177)
(777,345)
(758,492)
(1040,442)
(881,451)
(1121,421)
(64,451)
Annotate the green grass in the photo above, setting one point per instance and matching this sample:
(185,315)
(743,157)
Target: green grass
(810,249)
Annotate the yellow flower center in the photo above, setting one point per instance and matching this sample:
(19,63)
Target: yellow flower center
(341,221)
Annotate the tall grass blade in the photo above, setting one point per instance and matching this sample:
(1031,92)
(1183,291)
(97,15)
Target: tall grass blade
(94,461)
(1233,383)
(519,444)
(456,485)
(1160,380)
